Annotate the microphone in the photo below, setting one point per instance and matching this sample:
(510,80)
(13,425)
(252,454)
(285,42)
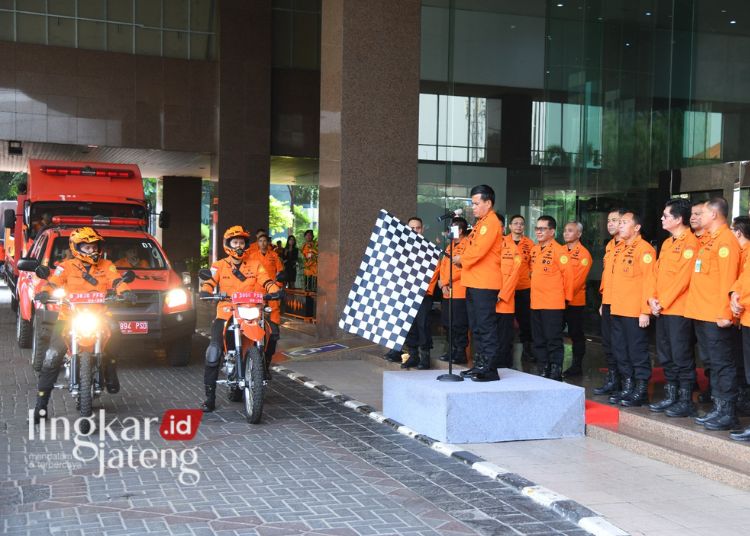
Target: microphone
(451,214)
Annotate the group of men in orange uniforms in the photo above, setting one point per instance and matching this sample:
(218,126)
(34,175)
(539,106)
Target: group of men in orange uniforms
(695,288)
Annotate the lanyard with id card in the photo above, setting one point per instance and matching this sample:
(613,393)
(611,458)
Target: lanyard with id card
(698,266)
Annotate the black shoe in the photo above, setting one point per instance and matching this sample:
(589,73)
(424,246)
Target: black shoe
(555,372)
(638,396)
(627,388)
(670,399)
(611,384)
(543,370)
(741,435)
(573,370)
(726,419)
(684,406)
(469,372)
(490,375)
(413,359)
(394,356)
(713,412)
(424,359)
(210,403)
(445,358)
(111,380)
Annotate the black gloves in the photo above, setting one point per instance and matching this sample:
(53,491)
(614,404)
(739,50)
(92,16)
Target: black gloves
(204,294)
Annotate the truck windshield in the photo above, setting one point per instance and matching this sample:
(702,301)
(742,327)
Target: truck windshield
(127,253)
(40,214)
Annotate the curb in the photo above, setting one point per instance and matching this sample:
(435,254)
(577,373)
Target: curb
(572,511)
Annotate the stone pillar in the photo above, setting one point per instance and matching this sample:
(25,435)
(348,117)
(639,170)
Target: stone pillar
(369,106)
(244,142)
(182,200)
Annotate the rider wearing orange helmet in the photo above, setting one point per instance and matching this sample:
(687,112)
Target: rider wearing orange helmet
(87,271)
(234,273)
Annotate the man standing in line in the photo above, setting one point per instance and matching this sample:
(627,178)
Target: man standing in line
(482,276)
(632,268)
(612,383)
(667,296)
(580,262)
(715,271)
(551,288)
(741,229)
(740,304)
(460,321)
(510,264)
(696,223)
(522,298)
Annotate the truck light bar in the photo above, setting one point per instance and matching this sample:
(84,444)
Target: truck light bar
(88,172)
(98,220)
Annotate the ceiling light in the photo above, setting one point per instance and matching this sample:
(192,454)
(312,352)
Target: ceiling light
(732,22)
(648,13)
(560,5)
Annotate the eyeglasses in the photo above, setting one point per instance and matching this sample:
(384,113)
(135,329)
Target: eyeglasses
(541,229)
(666,216)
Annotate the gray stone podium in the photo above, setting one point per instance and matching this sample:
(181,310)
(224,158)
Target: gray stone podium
(518,407)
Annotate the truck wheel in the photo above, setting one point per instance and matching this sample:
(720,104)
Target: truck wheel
(39,344)
(178,352)
(24,331)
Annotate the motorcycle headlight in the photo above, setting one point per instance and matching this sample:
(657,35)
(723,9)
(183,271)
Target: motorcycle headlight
(58,293)
(248,313)
(175,298)
(85,324)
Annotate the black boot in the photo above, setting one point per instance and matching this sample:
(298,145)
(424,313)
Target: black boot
(743,402)
(638,396)
(741,435)
(726,419)
(394,356)
(210,403)
(40,410)
(488,372)
(555,372)
(445,357)
(627,388)
(684,406)
(528,352)
(611,384)
(713,412)
(110,377)
(670,398)
(543,370)
(413,359)
(575,368)
(424,359)
(476,369)
(459,356)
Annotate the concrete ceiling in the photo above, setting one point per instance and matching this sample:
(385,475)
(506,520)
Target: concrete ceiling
(294,170)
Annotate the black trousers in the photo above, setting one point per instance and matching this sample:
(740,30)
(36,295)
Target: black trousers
(523,313)
(419,335)
(480,307)
(717,343)
(574,322)
(737,353)
(547,329)
(505,336)
(746,351)
(630,347)
(674,348)
(460,331)
(607,337)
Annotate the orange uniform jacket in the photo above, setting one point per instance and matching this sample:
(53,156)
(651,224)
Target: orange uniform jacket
(715,271)
(631,273)
(704,238)
(525,246)
(224,280)
(270,261)
(459,291)
(310,258)
(511,263)
(69,275)
(742,287)
(670,278)
(580,262)
(480,262)
(124,263)
(551,276)
(610,254)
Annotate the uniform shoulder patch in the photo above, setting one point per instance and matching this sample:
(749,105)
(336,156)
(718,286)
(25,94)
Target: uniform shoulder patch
(647,258)
(585,262)
(724,252)
(59,269)
(483,230)
(563,259)
(688,253)
(112,268)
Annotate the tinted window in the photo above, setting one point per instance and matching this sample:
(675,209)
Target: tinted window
(126,253)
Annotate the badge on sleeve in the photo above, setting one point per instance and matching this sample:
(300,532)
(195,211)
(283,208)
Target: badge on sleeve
(483,230)
(724,252)
(112,268)
(563,259)
(585,262)
(59,270)
(647,258)
(688,253)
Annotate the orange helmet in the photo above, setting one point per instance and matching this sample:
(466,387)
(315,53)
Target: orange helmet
(86,235)
(237,231)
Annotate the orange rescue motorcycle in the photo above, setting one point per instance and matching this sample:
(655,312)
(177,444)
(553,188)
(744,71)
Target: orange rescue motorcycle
(246,334)
(86,339)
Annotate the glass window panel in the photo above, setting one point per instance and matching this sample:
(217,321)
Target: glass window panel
(175,44)
(92,9)
(282,38)
(120,38)
(201,15)
(201,47)
(147,42)
(148,13)
(92,35)
(176,14)
(427,152)
(458,122)
(6,27)
(428,116)
(61,31)
(35,6)
(6,4)
(306,41)
(62,7)
(120,10)
(307,5)
(282,4)
(31,28)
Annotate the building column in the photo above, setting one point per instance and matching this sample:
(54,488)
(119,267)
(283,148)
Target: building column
(244,142)
(369,118)
(181,199)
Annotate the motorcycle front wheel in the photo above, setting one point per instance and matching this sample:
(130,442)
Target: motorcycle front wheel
(254,385)
(86,390)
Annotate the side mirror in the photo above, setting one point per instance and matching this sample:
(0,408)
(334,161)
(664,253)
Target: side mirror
(128,277)
(9,218)
(205,275)
(164,219)
(28,264)
(42,272)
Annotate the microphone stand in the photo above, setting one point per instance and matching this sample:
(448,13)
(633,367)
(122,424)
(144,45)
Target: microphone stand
(450,377)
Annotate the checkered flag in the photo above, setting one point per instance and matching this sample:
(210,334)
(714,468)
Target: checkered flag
(391,283)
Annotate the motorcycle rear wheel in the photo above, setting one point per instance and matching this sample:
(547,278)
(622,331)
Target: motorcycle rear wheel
(254,385)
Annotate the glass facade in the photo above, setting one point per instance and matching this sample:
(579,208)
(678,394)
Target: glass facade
(171,28)
(601,103)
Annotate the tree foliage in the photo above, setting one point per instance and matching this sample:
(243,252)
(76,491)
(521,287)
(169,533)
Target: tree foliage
(9,181)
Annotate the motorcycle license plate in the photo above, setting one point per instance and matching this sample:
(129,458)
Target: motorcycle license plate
(129,327)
